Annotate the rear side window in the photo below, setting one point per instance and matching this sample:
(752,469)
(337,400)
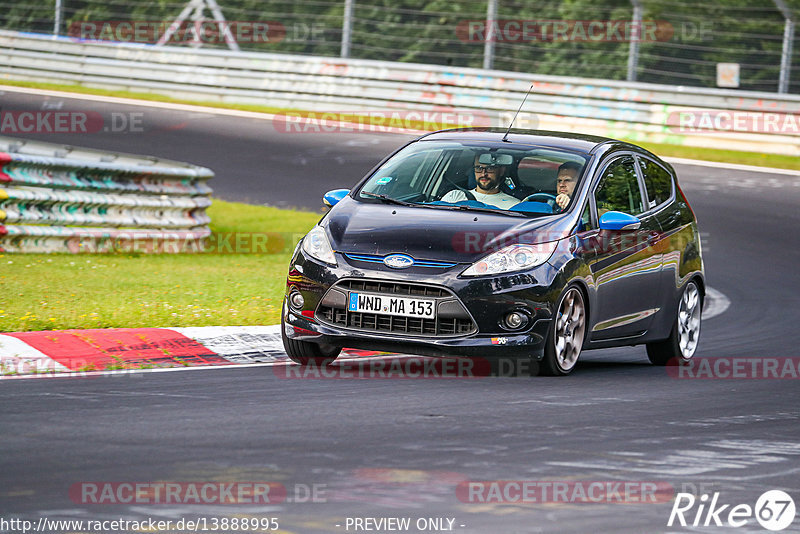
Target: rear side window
(657,181)
(618,189)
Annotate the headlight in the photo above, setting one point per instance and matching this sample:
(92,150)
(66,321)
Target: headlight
(512,258)
(316,245)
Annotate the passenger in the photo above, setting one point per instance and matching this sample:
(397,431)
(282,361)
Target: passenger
(565,182)
(488,179)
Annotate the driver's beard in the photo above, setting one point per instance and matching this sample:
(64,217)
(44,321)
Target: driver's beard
(494,187)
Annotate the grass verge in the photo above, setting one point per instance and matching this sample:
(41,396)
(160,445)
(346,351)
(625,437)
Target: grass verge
(61,291)
(662,149)
(724,156)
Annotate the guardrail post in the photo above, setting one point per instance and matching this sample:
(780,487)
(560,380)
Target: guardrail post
(489,35)
(57,19)
(636,32)
(786,52)
(347,27)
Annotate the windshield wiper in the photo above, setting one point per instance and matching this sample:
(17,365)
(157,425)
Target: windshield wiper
(388,200)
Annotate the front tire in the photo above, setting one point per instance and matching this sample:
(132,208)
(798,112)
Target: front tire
(566,335)
(682,342)
(306,352)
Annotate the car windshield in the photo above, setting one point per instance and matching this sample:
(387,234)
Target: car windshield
(512,179)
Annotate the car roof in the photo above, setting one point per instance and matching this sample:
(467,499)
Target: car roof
(568,140)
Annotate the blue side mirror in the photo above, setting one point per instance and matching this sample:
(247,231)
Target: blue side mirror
(331,198)
(616,220)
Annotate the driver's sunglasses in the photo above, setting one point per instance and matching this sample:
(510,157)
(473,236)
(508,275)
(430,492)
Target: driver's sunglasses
(481,168)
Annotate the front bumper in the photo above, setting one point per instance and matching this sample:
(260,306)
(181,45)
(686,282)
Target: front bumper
(486,300)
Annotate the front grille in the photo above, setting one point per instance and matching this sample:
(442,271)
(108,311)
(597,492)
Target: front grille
(394,288)
(452,318)
(395,324)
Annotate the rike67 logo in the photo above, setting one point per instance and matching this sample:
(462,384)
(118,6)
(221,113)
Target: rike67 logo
(774,510)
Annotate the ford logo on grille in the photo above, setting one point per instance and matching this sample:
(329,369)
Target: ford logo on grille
(398,261)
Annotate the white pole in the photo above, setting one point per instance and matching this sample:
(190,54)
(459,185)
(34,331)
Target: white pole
(347,27)
(786,52)
(489,35)
(57,23)
(636,33)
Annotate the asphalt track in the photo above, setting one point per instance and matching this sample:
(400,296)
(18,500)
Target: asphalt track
(399,448)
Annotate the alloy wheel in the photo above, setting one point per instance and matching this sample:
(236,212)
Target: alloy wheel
(570,328)
(689,321)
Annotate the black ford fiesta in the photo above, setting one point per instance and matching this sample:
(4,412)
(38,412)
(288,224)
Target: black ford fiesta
(482,243)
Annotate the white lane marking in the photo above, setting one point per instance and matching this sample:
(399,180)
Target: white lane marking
(716,303)
(713,184)
(732,166)
(357,126)
(586,402)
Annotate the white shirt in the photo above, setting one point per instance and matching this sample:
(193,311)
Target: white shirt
(498,200)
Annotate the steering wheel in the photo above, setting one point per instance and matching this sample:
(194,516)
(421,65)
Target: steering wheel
(546,196)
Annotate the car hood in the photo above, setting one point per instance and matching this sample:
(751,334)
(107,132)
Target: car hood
(433,234)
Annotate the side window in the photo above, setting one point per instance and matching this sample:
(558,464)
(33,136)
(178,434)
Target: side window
(618,189)
(586,219)
(657,181)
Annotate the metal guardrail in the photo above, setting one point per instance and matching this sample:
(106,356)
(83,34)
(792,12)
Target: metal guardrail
(62,199)
(643,112)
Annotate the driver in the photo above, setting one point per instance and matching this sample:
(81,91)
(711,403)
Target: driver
(488,178)
(565,182)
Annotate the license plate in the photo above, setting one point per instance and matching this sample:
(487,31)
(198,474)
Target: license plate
(402,306)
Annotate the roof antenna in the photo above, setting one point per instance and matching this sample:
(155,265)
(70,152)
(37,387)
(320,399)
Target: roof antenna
(517,113)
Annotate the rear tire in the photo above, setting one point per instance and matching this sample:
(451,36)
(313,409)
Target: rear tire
(682,342)
(567,332)
(306,352)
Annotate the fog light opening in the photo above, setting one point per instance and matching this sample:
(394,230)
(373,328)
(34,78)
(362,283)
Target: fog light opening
(296,300)
(515,320)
